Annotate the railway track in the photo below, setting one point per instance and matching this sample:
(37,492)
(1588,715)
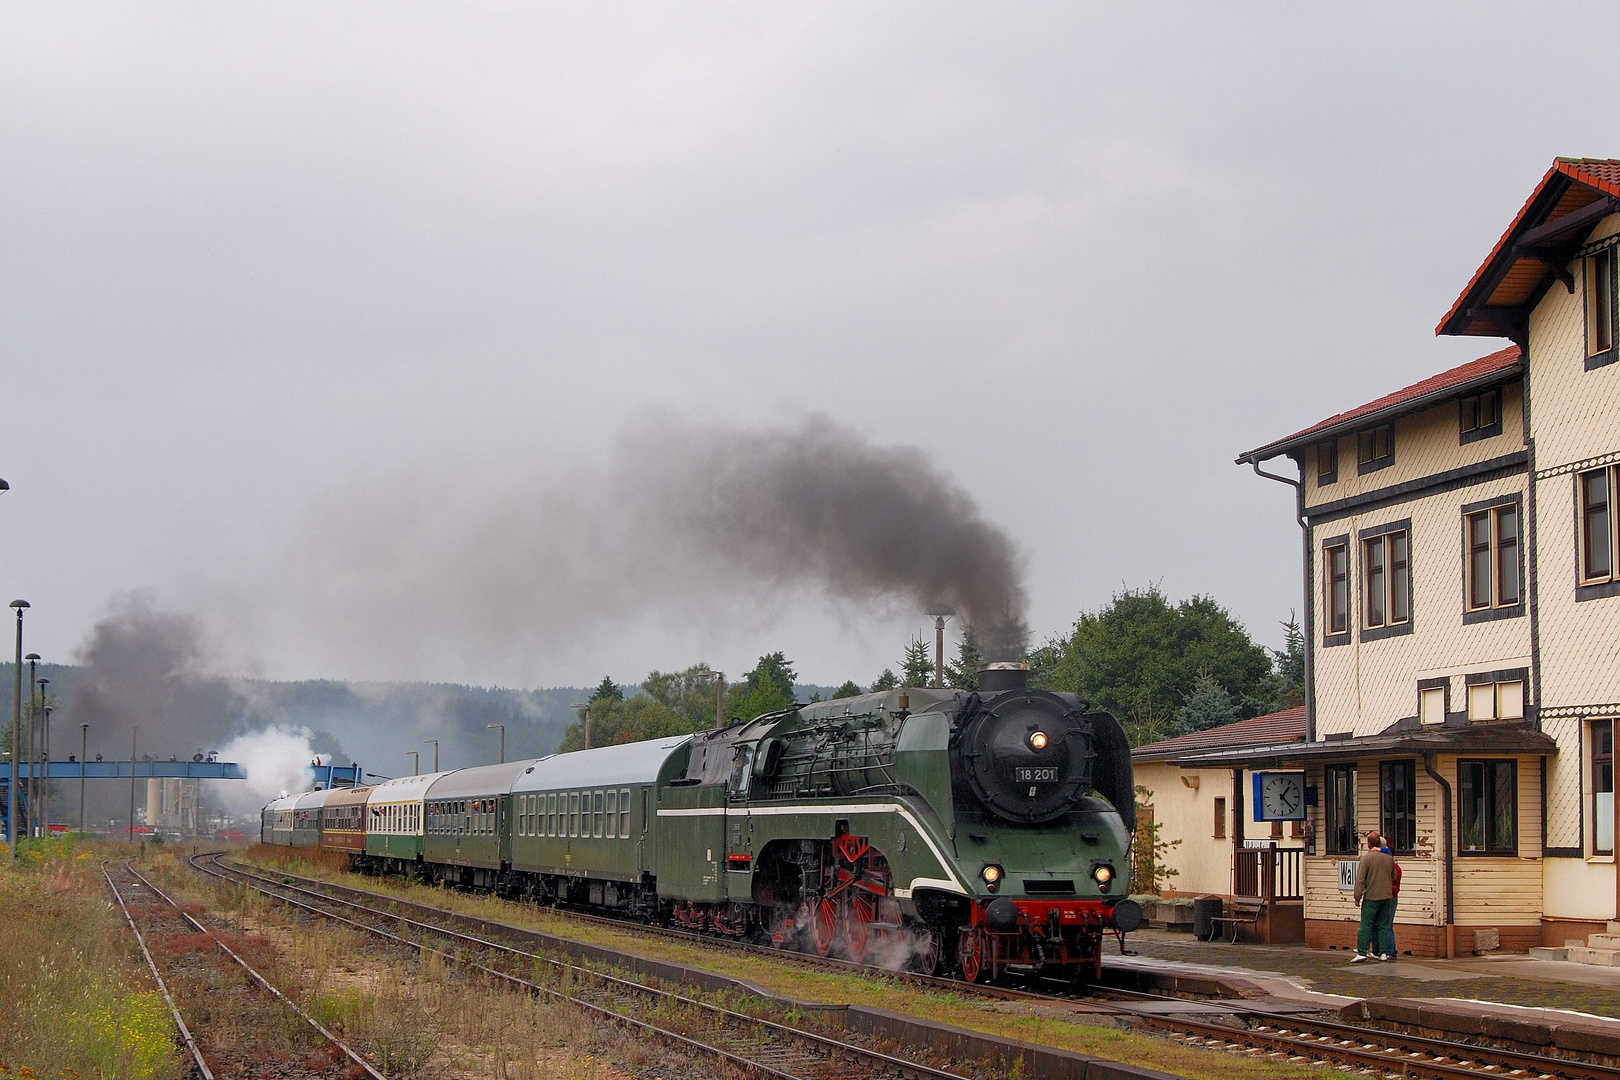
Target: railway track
(756,1045)
(1301,1040)
(143,903)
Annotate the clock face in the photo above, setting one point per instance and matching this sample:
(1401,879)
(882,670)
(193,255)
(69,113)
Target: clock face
(1283,796)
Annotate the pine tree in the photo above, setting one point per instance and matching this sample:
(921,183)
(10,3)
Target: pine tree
(1208,705)
(917,667)
(849,689)
(1290,664)
(607,690)
(886,681)
(962,673)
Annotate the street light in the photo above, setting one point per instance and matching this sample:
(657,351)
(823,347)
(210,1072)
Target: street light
(42,787)
(719,678)
(84,748)
(489,727)
(435,743)
(19,606)
(132,737)
(32,787)
(416,762)
(586,706)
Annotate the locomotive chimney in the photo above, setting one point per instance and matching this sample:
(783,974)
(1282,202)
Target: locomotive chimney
(994,678)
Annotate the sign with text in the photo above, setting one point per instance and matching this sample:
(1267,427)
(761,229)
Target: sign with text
(1347,874)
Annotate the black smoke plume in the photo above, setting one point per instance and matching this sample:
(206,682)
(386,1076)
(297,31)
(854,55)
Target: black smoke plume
(681,516)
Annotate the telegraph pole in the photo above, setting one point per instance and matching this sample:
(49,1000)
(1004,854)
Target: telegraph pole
(16,735)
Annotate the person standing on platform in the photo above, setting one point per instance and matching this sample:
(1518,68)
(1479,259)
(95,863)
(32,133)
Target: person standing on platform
(1388,937)
(1374,877)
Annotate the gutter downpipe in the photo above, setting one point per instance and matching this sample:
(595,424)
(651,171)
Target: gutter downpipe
(1445,825)
(1310,593)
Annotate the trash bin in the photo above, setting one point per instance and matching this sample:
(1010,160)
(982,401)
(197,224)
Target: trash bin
(1206,909)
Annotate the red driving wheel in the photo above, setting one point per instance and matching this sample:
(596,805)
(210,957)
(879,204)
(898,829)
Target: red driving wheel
(823,928)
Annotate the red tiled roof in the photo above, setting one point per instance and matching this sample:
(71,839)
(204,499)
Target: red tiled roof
(1495,365)
(1268,730)
(1599,174)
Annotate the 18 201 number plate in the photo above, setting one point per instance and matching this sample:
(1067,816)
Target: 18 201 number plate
(1036,776)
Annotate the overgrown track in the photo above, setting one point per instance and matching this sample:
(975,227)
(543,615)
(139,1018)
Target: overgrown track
(1299,1040)
(758,1046)
(172,913)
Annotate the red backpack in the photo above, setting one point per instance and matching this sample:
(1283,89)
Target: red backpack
(1395,881)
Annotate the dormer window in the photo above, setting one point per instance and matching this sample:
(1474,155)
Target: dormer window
(1327,462)
(1600,308)
(1375,449)
(1480,416)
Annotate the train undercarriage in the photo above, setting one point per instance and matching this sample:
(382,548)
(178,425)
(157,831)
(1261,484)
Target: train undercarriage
(835,898)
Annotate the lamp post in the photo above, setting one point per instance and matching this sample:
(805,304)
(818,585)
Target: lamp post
(719,695)
(488,727)
(31,747)
(45,767)
(585,706)
(132,737)
(435,743)
(84,748)
(19,606)
(416,762)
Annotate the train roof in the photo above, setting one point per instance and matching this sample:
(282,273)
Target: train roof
(605,766)
(919,699)
(404,788)
(309,800)
(478,781)
(284,803)
(348,796)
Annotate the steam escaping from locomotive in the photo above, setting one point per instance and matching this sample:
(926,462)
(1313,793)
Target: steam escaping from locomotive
(686,518)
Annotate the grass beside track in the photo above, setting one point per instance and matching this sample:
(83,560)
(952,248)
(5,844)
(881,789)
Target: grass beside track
(76,999)
(1021,1022)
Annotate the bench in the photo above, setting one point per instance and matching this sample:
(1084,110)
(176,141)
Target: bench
(1242,915)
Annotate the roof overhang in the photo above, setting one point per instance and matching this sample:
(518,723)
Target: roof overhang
(1487,737)
(1535,251)
(1365,417)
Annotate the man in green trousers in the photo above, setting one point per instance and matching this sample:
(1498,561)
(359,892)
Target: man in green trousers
(1375,879)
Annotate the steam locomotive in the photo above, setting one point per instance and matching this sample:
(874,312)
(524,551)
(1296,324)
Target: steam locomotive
(972,832)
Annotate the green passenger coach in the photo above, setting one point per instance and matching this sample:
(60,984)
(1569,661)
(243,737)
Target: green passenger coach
(467,839)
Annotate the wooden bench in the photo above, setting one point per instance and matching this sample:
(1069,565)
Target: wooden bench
(1242,915)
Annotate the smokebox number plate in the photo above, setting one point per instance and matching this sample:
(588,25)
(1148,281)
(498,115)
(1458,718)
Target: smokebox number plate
(1036,776)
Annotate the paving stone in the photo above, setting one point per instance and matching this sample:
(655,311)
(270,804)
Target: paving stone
(1595,957)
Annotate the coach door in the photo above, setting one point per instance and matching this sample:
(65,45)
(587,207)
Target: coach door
(739,827)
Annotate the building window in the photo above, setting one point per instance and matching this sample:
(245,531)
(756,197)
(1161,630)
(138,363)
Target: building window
(1375,448)
(1387,572)
(1327,462)
(1495,698)
(1488,807)
(1336,587)
(1493,564)
(1600,308)
(1220,819)
(1433,695)
(1340,782)
(1480,416)
(1397,804)
(1602,787)
(1596,490)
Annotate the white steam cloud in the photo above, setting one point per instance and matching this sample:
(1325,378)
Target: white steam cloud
(277,761)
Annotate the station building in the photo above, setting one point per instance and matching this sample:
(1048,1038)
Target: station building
(1462,583)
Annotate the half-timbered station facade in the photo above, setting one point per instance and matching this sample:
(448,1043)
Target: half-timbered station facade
(1462,581)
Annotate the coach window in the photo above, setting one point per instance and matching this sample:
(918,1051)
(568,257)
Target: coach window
(612,813)
(624,813)
(598,830)
(1397,804)
(1602,737)
(1340,782)
(573,813)
(1600,308)
(1488,807)
(551,815)
(646,809)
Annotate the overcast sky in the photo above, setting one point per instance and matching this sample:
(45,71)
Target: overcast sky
(253,256)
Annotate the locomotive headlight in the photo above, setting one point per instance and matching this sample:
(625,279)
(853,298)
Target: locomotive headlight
(991,875)
(1102,874)
(1037,740)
